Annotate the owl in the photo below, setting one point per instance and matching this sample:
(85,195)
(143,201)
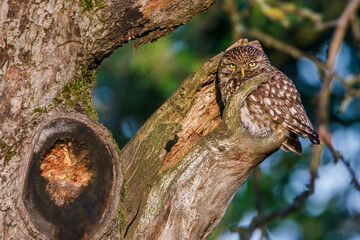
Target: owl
(274,106)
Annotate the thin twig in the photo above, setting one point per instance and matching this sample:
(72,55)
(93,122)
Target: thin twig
(355,29)
(326,25)
(351,93)
(235,18)
(351,171)
(338,157)
(324,95)
(257,190)
(338,36)
(261,220)
(289,49)
(292,51)
(334,47)
(257,195)
(239,30)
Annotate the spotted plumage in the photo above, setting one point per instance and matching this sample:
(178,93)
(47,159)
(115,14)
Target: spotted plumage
(274,106)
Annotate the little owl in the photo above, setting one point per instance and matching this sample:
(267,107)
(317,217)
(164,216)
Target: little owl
(274,106)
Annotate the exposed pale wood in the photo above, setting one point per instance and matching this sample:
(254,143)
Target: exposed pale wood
(202,117)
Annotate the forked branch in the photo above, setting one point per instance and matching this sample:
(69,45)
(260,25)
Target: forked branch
(189,198)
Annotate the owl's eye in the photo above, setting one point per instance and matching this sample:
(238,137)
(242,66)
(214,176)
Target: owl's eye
(252,64)
(232,65)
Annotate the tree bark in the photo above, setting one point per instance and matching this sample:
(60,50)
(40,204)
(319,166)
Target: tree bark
(62,175)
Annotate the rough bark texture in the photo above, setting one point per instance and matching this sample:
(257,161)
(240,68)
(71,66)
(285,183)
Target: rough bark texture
(181,169)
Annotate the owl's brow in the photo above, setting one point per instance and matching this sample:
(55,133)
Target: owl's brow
(244,58)
(242,53)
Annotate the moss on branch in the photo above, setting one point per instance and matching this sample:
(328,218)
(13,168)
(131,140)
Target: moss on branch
(89,5)
(77,95)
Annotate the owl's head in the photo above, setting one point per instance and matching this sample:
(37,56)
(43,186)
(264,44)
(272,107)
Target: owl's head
(237,65)
(244,62)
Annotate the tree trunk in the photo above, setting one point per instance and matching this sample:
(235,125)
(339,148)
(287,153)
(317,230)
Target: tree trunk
(62,175)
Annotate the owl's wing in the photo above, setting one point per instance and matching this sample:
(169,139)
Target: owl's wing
(286,108)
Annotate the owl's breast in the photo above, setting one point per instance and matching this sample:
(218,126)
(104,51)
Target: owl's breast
(254,119)
(228,88)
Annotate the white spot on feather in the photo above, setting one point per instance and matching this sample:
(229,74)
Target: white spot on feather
(272,112)
(267,101)
(253,98)
(292,110)
(253,127)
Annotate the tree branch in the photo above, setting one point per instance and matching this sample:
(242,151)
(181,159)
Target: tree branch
(49,55)
(187,199)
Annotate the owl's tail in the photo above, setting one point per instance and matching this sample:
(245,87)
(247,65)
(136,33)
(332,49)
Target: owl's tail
(292,143)
(314,137)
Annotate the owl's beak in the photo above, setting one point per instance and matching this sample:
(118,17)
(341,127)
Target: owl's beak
(242,72)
